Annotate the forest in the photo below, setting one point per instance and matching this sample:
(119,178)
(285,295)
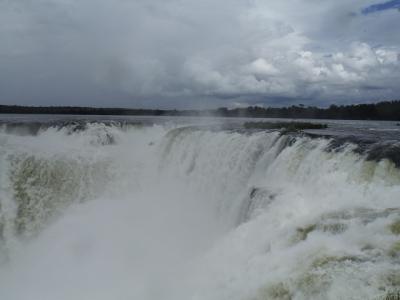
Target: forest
(386,110)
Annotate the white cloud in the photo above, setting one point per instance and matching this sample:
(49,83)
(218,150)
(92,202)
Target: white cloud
(262,67)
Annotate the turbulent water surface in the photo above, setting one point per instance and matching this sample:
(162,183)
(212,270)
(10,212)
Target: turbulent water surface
(143,208)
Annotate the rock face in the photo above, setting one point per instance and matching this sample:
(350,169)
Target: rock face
(257,200)
(285,126)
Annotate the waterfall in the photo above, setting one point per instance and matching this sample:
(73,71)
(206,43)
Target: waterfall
(123,211)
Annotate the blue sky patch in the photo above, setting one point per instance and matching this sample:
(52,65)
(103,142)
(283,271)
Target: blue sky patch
(394,4)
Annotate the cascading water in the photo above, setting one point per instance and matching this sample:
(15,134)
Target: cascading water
(104,211)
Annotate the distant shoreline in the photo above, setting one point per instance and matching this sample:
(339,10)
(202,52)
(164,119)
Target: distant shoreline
(385,111)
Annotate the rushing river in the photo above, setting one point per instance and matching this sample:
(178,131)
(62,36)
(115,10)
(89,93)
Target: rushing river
(136,208)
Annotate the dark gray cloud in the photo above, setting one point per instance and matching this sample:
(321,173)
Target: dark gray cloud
(175,53)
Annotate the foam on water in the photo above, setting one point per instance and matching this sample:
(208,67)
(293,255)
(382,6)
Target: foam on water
(111,212)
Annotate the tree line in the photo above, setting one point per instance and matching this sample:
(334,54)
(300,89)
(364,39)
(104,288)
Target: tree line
(387,110)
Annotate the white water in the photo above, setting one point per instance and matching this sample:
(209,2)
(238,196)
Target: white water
(175,213)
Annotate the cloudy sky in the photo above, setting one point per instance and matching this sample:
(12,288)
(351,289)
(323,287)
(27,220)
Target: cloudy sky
(198,53)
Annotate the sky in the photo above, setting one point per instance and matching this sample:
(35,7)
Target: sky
(198,54)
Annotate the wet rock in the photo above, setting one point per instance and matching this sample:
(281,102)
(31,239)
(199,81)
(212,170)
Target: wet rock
(322,262)
(302,233)
(334,228)
(395,227)
(313,283)
(277,291)
(394,251)
(285,126)
(257,199)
